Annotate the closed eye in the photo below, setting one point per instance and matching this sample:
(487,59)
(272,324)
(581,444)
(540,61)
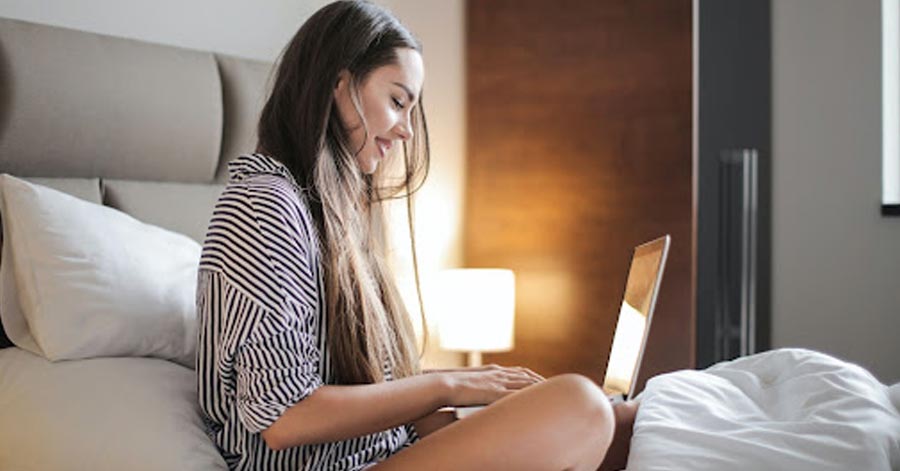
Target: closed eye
(397,103)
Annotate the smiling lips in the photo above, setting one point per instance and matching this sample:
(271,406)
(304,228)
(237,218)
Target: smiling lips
(383,146)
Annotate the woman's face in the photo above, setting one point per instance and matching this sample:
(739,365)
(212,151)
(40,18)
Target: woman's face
(386,98)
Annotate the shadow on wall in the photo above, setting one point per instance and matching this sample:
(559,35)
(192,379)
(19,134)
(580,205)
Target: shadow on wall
(5,91)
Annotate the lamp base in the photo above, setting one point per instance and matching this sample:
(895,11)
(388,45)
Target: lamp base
(474,359)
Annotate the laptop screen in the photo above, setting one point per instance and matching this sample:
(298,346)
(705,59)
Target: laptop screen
(633,325)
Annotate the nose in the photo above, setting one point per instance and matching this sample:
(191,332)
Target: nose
(404,130)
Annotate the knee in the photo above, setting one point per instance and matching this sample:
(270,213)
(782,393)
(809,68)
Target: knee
(589,405)
(583,391)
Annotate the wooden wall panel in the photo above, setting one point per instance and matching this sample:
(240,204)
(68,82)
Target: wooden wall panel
(579,149)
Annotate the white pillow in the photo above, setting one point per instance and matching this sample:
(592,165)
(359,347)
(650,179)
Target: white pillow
(87,189)
(101,414)
(93,281)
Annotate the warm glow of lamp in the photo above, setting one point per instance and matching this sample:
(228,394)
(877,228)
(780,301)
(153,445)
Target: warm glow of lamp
(625,349)
(476,308)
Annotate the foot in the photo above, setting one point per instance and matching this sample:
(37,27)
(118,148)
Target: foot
(617,456)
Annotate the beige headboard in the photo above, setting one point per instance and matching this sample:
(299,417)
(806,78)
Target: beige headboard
(144,128)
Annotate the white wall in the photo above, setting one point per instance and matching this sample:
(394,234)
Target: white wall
(259,30)
(835,260)
(439,26)
(256,30)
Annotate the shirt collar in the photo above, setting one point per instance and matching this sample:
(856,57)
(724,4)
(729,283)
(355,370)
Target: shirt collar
(247,165)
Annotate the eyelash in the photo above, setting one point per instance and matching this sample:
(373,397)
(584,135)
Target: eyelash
(397,103)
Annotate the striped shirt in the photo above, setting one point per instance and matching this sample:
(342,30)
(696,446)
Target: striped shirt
(261,313)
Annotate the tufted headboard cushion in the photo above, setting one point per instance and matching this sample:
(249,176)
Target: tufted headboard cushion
(145,128)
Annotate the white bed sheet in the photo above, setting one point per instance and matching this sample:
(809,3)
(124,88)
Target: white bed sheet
(784,409)
(100,414)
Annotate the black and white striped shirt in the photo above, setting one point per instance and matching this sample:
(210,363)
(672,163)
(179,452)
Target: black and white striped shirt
(261,313)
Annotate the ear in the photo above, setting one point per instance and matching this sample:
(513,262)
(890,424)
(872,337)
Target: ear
(343,80)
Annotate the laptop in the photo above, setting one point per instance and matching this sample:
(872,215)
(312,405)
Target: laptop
(633,326)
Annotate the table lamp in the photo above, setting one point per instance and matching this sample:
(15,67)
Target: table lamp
(476,308)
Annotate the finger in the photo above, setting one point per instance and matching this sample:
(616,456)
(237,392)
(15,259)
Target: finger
(525,374)
(530,373)
(534,375)
(520,378)
(518,385)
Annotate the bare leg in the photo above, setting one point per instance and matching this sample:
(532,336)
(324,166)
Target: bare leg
(564,423)
(617,456)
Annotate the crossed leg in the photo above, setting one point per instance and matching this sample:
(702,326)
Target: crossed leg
(564,423)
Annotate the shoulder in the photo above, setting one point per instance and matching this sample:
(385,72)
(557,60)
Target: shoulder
(264,203)
(257,216)
(261,185)
(261,238)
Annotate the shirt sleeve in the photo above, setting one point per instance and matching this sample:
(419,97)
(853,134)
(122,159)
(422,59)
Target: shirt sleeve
(276,367)
(271,321)
(412,436)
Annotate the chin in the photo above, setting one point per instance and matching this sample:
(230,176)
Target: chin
(367,165)
(370,167)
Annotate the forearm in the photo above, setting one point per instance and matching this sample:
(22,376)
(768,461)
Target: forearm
(335,413)
(433,422)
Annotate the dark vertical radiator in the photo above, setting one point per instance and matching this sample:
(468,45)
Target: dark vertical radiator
(733,90)
(736,290)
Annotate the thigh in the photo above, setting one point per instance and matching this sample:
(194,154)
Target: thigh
(562,423)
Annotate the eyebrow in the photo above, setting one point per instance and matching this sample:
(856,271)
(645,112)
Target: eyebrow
(409,92)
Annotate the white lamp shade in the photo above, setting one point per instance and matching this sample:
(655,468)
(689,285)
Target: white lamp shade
(476,309)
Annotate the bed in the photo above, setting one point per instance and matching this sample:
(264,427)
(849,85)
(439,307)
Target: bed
(790,408)
(115,152)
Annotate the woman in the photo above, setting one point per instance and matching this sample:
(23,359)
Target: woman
(307,359)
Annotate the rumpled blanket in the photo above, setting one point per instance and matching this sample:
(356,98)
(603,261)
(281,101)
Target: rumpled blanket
(786,409)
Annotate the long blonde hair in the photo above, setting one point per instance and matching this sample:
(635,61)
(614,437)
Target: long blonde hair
(369,331)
